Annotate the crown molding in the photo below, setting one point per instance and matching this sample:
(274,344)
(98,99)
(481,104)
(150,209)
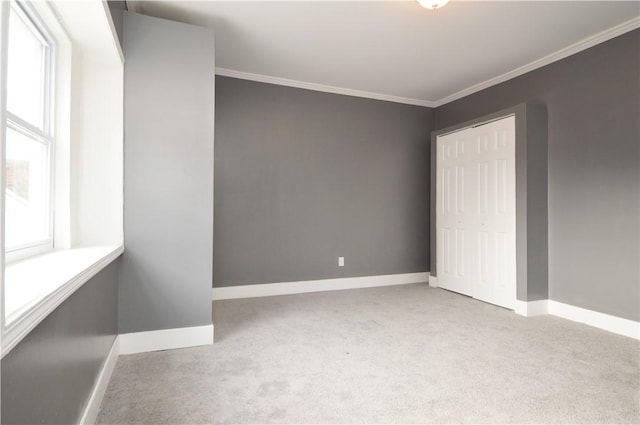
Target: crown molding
(320,87)
(539,63)
(581,45)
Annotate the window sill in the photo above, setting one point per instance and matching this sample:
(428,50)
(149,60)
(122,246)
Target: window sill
(51,279)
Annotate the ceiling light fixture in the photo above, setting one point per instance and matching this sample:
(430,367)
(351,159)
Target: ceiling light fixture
(432,4)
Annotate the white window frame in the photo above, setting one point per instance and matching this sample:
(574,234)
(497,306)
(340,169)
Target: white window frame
(46,134)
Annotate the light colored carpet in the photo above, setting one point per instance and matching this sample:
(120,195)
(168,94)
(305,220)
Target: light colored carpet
(401,354)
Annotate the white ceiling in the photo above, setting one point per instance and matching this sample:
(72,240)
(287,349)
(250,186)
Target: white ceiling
(397,50)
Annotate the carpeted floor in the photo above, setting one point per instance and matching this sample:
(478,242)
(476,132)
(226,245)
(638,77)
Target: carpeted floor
(400,354)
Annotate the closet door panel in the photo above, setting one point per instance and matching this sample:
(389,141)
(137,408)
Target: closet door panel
(496,261)
(452,208)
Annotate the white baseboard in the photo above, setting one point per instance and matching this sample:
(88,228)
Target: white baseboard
(166,339)
(302,287)
(433,281)
(532,308)
(90,413)
(139,342)
(596,319)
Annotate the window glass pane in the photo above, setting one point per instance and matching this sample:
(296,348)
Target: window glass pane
(26,70)
(27,191)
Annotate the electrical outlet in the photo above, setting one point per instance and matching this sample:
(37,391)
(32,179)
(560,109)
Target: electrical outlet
(340,261)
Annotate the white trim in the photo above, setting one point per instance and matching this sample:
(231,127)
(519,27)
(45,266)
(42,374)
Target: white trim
(303,287)
(4,31)
(531,308)
(614,324)
(581,45)
(433,281)
(165,339)
(30,316)
(321,87)
(90,413)
(596,319)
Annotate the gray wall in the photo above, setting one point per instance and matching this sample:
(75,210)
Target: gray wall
(48,377)
(593,106)
(303,177)
(116,8)
(166,273)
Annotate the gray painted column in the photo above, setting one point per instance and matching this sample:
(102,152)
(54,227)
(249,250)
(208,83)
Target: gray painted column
(166,275)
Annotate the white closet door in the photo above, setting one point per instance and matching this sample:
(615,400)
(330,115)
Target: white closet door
(495,234)
(475,212)
(454,259)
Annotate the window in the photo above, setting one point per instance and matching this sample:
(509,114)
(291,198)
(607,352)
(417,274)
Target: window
(61,133)
(29,135)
